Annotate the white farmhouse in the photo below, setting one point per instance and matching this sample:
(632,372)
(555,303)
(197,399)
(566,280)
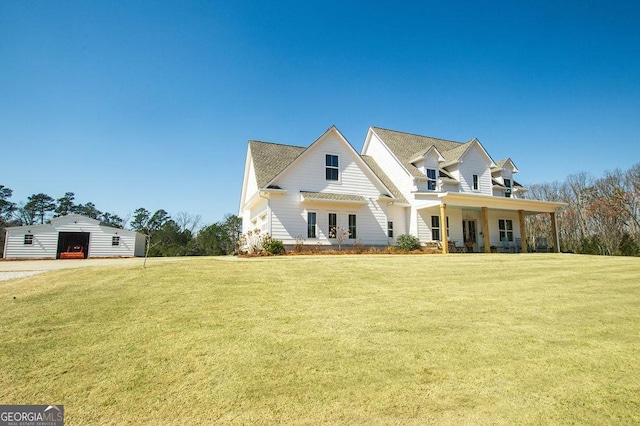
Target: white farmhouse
(447,193)
(72,236)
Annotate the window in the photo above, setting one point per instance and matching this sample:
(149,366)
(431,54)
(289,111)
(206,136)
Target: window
(28,239)
(352,226)
(507,192)
(476,183)
(435,228)
(431,179)
(333,225)
(448,233)
(331,161)
(390,229)
(505,226)
(311,225)
(115,240)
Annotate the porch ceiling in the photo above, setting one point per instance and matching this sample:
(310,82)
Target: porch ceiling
(470,201)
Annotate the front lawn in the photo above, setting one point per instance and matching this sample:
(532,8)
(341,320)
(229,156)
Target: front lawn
(415,339)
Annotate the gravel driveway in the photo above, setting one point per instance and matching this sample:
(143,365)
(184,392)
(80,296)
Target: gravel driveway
(10,269)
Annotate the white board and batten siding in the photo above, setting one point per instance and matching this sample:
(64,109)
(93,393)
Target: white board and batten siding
(45,239)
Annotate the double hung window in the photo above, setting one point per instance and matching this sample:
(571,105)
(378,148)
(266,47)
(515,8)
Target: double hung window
(333,225)
(352,226)
(436,235)
(332,169)
(311,225)
(435,228)
(507,191)
(505,226)
(431,179)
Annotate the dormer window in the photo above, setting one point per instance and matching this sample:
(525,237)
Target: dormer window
(507,191)
(331,162)
(431,179)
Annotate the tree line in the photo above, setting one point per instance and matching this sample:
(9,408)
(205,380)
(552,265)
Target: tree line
(180,235)
(602,217)
(602,214)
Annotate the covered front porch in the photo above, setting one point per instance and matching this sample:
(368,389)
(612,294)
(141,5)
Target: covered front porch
(478,223)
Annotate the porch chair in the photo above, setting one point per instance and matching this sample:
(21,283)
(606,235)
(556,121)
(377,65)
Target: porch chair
(518,247)
(453,247)
(541,245)
(506,247)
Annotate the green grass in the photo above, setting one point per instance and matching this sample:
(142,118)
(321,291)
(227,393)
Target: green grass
(371,339)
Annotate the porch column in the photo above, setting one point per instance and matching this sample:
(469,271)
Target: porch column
(554,233)
(523,232)
(443,228)
(485,230)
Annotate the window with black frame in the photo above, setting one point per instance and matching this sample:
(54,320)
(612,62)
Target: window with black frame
(431,179)
(435,228)
(332,168)
(311,225)
(505,227)
(352,226)
(333,225)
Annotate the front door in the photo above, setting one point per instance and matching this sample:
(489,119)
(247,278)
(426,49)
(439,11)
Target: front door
(470,236)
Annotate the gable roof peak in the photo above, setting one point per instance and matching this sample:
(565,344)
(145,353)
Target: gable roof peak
(504,162)
(405,147)
(269,159)
(374,128)
(253,141)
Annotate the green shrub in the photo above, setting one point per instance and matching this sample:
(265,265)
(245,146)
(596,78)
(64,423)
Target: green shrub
(408,242)
(590,245)
(275,247)
(628,247)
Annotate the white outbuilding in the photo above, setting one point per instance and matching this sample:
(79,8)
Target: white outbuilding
(71,237)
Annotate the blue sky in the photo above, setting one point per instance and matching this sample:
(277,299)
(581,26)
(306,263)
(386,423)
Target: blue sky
(151,104)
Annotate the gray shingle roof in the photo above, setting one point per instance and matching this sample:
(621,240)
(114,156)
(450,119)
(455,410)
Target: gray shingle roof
(500,164)
(405,146)
(446,175)
(330,196)
(457,152)
(269,159)
(384,178)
